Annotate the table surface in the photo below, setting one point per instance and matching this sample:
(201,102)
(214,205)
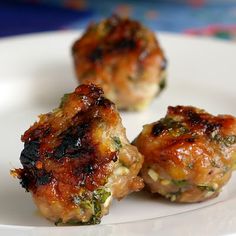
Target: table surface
(209,18)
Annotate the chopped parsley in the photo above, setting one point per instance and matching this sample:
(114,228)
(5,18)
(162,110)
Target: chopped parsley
(64,99)
(94,203)
(117,143)
(226,141)
(175,128)
(180,183)
(162,84)
(101,195)
(204,187)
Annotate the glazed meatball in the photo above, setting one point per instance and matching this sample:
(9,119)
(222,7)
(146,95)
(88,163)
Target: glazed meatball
(77,158)
(189,155)
(124,58)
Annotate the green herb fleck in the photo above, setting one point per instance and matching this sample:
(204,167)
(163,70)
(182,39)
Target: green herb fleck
(214,164)
(204,187)
(173,196)
(87,204)
(230,140)
(73,222)
(190,165)
(174,127)
(64,99)
(58,222)
(162,84)
(117,143)
(94,203)
(180,183)
(101,195)
(226,141)
(82,202)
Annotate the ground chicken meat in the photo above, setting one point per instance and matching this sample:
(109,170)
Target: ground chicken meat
(77,158)
(189,155)
(124,58)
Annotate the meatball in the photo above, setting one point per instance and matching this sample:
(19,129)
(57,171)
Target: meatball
(189,154)
(77,158)
(124,58)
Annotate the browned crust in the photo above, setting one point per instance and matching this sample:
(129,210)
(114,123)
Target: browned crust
(56,161)
(121,56)
(190,153)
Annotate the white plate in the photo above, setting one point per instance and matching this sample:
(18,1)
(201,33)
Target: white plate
(36,70)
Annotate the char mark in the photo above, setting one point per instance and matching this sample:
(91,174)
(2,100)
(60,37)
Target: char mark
(194,118)
(30,154)
(26,180)
(96,54)
(175,128)
(209,126)
(158,128)
(43,177)
(190,140)
(74,143)
(32,178)
(104,102)
(125,44)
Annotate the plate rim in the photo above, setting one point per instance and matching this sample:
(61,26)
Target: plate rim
(179,36)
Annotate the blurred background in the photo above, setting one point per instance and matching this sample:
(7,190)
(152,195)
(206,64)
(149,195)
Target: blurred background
(213,18)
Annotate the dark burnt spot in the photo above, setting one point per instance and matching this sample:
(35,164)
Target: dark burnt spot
(194,118)
(96,54)
(30,154)
(125,44)
(89,168)
(210,172)
(211,127)
(86,168)
(206,124)
(36,134)
(74,143)
(43,177)
(197,119)
(158,128)
(31,178)
(25,181)
(175,128)
(104,102)
(190,140)
(115,158)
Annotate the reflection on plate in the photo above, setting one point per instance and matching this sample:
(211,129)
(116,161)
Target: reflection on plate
(36,70)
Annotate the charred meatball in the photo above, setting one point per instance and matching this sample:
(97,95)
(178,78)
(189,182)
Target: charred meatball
(124,58)
(77,158)
(189,155)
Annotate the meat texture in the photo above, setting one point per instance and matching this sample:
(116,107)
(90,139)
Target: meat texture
(124,58)
(189,154)
(77,158)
